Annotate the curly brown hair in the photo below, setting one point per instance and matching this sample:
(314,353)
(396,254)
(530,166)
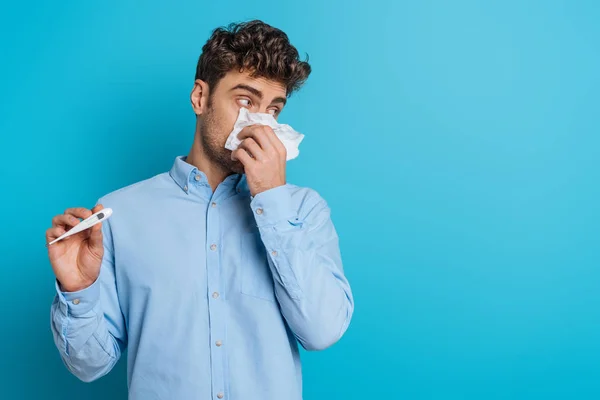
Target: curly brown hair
(255,47)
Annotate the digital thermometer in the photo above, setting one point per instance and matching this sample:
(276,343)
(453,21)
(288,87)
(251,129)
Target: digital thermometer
(87,223)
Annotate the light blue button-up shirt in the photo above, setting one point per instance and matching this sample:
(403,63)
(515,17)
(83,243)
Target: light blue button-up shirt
(210,293)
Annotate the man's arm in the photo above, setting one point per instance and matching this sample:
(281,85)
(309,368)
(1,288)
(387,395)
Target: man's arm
(87,325)
(304,256)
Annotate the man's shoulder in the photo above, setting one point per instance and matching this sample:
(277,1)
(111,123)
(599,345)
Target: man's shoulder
(136,190)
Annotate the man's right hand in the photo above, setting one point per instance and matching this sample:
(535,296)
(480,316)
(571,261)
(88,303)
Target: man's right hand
(76,259)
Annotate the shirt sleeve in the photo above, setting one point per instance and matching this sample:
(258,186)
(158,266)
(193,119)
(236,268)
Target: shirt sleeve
(304,256)
(88,326)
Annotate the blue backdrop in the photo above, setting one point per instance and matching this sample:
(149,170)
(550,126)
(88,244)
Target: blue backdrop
(456,142)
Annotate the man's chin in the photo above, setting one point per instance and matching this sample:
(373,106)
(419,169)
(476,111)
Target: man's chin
(224,160)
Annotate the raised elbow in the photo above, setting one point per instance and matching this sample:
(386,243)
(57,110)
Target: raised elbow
(325,336)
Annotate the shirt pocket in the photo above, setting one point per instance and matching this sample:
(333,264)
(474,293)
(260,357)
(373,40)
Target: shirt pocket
(257,279)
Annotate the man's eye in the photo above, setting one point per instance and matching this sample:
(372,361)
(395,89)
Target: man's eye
(244,102)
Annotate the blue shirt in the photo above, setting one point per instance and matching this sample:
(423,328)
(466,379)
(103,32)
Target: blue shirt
(210,293)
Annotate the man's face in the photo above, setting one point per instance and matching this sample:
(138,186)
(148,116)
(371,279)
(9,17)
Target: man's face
(233,91)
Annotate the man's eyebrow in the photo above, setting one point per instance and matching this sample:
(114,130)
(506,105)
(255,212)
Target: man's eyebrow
(250,89)
(258,93)
(282,100)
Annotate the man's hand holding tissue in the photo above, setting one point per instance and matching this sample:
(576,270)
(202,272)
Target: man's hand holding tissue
(263,156)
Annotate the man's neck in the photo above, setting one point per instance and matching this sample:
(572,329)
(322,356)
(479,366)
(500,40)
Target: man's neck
(214,172)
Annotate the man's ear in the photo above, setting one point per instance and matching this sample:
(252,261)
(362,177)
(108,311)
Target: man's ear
(199,97)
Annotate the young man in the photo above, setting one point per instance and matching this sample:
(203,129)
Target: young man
(211,273)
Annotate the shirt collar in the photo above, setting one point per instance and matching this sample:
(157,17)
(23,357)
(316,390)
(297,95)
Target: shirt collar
(183,174)
(242,185)
(181,171)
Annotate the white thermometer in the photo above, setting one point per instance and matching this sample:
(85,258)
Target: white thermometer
(87,223)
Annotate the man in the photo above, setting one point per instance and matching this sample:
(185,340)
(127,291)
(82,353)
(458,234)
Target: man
(209,274)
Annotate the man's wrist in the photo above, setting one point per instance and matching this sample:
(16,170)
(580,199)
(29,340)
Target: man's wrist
(262,190)
(73,288)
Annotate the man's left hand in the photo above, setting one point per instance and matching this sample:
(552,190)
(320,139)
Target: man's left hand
(263,156)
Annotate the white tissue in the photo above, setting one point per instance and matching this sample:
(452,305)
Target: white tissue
(288,136)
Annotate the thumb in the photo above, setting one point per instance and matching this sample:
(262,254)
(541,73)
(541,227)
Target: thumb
(95,239)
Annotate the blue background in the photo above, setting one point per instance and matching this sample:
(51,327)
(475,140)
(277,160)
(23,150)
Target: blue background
(456,142)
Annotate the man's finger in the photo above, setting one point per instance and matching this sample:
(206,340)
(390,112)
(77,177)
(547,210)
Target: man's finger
(253,149)
(95,239)
(279,146)
(79,212)
(274,141)
(65,220)
(273,138)
(243,156)
(54,233)
(260,134)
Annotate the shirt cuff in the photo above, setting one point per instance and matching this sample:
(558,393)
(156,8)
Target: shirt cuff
(82,301)
(273,206)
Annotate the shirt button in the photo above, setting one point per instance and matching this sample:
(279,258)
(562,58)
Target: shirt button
(213,247)
(219,343)
(239,190)
(185,188)
(215,295)
(259,211)
(274,253)
(76,301)
(197,178)
(220,395)
(214,204)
